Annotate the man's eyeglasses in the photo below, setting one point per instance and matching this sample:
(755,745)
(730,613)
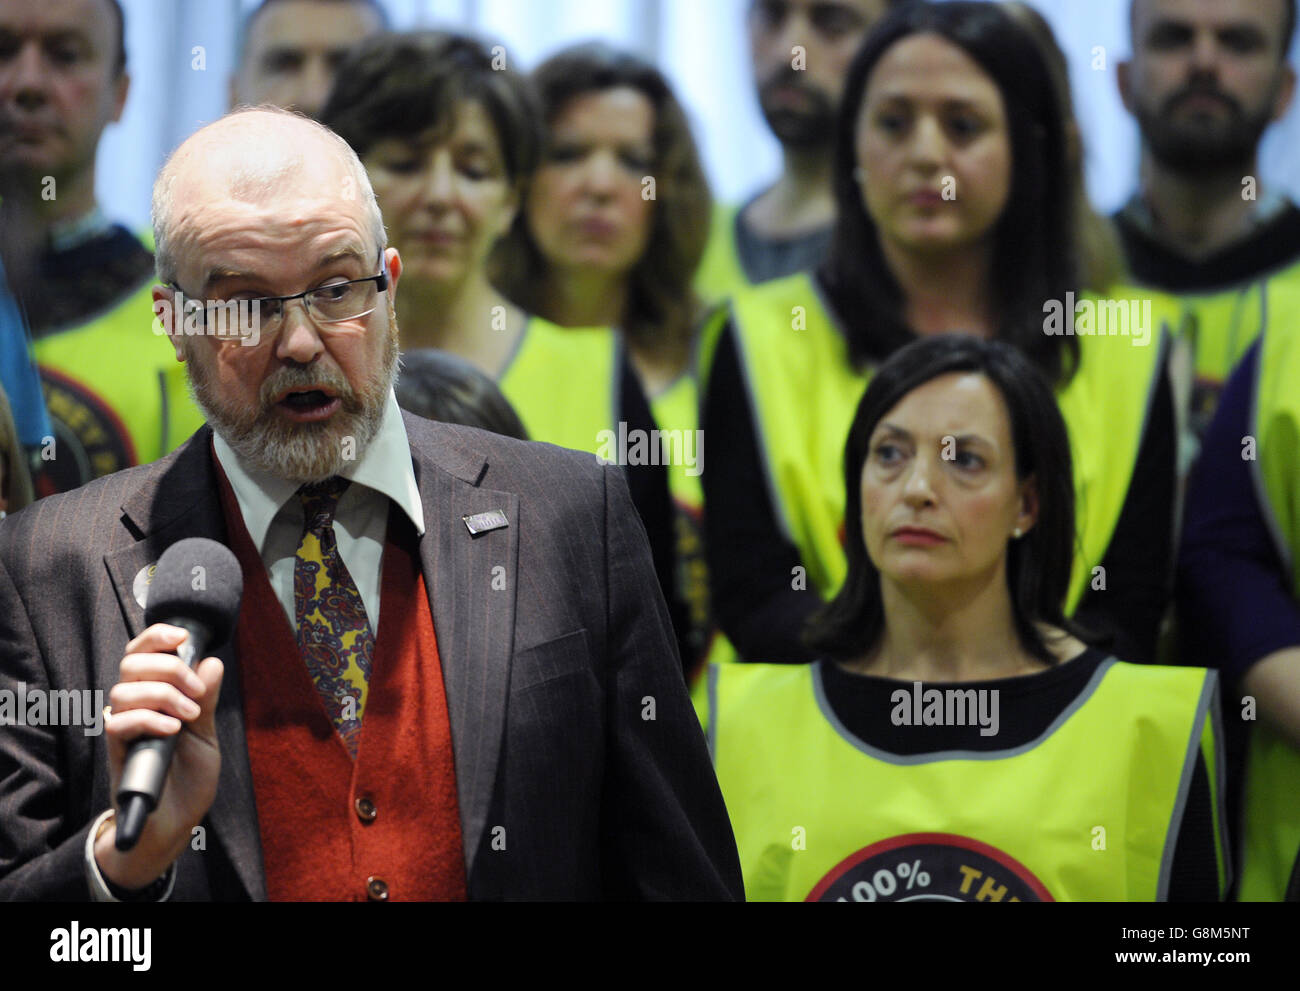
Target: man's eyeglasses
(246,320)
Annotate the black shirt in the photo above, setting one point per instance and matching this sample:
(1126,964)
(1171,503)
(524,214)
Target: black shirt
(764,258)
(1273,245)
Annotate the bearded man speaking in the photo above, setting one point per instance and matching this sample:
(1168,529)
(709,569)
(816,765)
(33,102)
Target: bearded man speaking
(448,641)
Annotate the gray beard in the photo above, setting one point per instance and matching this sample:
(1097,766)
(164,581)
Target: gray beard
(298,452)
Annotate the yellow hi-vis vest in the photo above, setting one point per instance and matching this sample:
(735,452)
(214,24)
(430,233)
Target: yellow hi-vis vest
(565,384)
(804,393)
(1271,813)
(115,391)
(721,273)
(677,410)
(1089,811)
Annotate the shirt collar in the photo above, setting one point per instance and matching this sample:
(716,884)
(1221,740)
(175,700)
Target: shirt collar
(74,233)
(384,466)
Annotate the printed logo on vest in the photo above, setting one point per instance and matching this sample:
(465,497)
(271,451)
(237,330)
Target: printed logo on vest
(90,439)
(929,867)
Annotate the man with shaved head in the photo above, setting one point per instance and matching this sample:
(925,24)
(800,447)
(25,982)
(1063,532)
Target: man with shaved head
(448,641)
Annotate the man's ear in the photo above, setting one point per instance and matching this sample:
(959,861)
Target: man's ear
(1285,92)
(166,319)
(121,87)
(393,264)
(1124,80)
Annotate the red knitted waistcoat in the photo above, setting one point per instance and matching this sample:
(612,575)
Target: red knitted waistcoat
(388,826)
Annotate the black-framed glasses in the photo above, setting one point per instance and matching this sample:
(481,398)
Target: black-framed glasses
(246,320)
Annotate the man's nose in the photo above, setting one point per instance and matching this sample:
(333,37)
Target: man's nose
(316,81)
(297,338)
(1205,53)
(26,79)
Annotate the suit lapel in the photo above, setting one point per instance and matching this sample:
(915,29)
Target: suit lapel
(470,581)
(182,501)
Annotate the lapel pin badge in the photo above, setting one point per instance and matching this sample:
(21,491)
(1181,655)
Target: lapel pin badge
(140,584)
(493,519)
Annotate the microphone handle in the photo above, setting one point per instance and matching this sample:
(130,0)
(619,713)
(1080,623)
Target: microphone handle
(148,758)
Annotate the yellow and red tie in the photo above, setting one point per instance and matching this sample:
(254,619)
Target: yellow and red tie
(334,634)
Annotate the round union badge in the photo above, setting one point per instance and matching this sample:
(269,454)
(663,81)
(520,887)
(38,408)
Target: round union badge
(930,867)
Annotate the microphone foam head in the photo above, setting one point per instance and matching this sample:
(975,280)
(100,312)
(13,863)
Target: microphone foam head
(197,578)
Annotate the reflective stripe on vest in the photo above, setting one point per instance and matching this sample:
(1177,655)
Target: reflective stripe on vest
(804,393)
(1086,812)
(564,382)
(1271,813)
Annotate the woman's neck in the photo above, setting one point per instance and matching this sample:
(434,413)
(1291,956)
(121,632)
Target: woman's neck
(581,298)
(471,319)
(945,292)
(959,633)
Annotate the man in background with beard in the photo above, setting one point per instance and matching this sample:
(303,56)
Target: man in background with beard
(486,609)
(1206,79)
(801,51)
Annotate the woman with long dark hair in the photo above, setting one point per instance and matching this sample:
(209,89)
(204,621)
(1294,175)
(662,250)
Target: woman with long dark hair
(615,224)
(954,214)
(957,740)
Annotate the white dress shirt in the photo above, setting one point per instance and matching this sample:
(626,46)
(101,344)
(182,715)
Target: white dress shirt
(274,516)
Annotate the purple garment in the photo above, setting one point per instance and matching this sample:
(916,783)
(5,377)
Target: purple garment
(1234,596)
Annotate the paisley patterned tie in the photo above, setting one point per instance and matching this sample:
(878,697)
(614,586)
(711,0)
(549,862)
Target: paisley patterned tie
(334,634)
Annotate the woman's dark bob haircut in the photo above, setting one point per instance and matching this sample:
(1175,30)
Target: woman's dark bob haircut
(439,385)
(1034,243)
(401,84)
(1038,564)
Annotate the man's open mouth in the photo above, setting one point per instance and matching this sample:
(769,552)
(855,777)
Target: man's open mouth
(309,404)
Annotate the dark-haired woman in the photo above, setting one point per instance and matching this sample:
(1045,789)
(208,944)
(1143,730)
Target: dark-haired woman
(616,221)
(449,136)
(954,213)
(958,741)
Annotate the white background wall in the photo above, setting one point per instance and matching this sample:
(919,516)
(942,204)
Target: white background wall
(700,44)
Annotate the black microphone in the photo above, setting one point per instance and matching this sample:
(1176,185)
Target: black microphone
(196,586)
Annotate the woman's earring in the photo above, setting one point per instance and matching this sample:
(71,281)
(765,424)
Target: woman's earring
(859,175)
(1017,533)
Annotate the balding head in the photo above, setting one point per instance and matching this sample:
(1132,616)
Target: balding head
(256,162)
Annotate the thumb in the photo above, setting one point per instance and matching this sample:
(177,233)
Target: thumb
(210,672)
